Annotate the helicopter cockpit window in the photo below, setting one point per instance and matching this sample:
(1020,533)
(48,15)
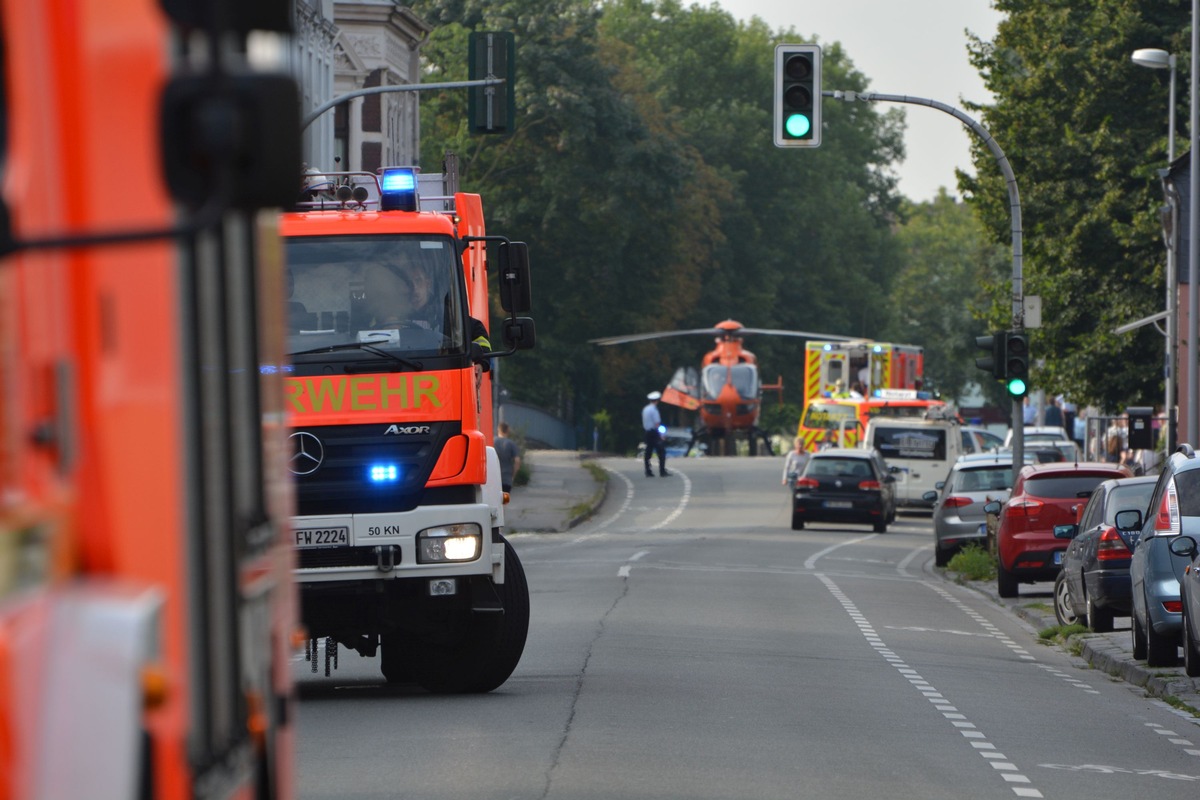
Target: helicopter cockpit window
(744,378)
(712,380)
(401,293)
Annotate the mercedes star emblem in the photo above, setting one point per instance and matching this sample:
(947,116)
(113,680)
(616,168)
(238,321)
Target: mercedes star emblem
(307,453)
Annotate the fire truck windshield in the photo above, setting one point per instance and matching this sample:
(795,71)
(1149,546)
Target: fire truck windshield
(393,292)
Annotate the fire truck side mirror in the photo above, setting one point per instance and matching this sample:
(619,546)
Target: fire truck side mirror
(515,295)
(518,333)
(235,142)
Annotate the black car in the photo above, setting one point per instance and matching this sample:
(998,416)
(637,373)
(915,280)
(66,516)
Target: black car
(1093,585)
(844,485)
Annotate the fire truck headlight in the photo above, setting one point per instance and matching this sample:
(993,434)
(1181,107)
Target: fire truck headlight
(445,543)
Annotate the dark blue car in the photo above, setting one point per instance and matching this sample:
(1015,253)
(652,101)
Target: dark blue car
(1093,585)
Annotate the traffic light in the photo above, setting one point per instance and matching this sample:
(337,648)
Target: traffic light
(491,109)
(996,362)
(1016,354)
(797,95)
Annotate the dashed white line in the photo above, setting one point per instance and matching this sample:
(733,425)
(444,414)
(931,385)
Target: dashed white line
(1007,770)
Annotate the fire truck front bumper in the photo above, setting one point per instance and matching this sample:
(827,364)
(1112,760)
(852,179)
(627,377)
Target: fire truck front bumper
(431,543)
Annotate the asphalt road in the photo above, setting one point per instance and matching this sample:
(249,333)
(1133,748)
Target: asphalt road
(685,643)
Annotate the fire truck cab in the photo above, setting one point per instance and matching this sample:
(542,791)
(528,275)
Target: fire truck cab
(400,513)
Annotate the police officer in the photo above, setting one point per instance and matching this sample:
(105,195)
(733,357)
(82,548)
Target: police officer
(655,442)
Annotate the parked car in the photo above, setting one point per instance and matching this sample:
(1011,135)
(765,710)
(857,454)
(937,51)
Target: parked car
(980,440)
(1045,495)
(845,485)
(958,517)
(1038,434)
(1189,594)
(1093,585)
(1155,572)
(680,444)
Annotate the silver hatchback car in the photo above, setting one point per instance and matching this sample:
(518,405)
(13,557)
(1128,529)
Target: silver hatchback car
(958,518)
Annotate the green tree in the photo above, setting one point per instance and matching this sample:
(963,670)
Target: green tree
(643,175)
(941,292)
(1084,130)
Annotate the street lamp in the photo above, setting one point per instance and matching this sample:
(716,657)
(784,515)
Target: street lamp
(1161,59)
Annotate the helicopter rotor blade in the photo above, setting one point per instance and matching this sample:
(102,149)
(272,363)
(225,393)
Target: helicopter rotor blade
(830,337)
(643,337)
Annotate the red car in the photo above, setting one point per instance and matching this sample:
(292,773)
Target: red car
(1045,495)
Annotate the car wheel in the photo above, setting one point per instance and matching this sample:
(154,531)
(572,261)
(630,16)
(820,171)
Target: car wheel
(797,522)
(1064,612)
(1006,582)
(941,556)
(880,527)
(1160,650)
(1099,620)
(1191,650)
(1139,637)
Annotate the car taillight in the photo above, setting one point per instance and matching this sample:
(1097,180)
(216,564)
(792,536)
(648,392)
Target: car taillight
(1025,506)
(1173,606)
(807,483)
(869,486)
(1167,518)
(957,502)
(1111,546)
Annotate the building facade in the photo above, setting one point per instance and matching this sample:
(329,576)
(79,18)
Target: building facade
(341,46)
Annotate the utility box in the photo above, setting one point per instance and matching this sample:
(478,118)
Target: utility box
(1141,432)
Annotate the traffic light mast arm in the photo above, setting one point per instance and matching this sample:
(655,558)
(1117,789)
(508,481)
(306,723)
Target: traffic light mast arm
(1014,203)
(316,113)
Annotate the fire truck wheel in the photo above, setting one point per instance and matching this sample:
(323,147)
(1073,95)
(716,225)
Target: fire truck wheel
(489,647)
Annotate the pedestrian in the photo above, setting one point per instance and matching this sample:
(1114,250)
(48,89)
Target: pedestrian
(794,463)
(509,453)
(655,442)
(1030,412)
(1053,416)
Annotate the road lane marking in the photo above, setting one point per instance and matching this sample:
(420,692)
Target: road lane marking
(968,730)
(812,560)
(683,501)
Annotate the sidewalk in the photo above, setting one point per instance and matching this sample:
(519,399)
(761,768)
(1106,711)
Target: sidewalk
(562,492)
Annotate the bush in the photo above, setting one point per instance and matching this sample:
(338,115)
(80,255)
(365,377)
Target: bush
(973,563)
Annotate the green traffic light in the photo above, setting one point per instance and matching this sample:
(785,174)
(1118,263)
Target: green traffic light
(1016,387)
(797,125)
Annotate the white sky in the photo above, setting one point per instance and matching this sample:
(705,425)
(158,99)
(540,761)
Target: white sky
(909,47)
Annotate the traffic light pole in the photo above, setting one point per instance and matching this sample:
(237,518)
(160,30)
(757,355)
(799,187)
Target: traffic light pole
(1014,203)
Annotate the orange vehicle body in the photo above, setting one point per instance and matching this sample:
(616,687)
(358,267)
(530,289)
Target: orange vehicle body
(146,625)
(399,521)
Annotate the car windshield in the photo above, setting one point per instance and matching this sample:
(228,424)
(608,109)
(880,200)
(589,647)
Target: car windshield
(840,467)
(927,443)
(987,479)
(1187,486)
(1063,486)
(1127,496)
(397,293)
(828,415)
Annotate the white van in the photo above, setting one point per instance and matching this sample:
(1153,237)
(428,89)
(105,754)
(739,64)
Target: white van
(923,450)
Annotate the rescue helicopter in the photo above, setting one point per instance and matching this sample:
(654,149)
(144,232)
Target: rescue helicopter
(726,392)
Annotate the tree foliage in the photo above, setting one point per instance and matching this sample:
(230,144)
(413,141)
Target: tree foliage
(1084,129)
(643,175)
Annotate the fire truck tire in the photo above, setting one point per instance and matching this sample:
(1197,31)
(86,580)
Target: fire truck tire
(489,647)
(397,659)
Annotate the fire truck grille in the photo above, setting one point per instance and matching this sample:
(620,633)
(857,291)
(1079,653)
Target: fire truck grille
(319,558)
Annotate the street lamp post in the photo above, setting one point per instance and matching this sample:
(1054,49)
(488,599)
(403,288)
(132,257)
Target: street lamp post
(1161,59)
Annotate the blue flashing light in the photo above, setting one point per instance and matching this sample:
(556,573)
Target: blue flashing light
(877,349)
(662,430)
(383,473)
(398,189)
(827,347)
